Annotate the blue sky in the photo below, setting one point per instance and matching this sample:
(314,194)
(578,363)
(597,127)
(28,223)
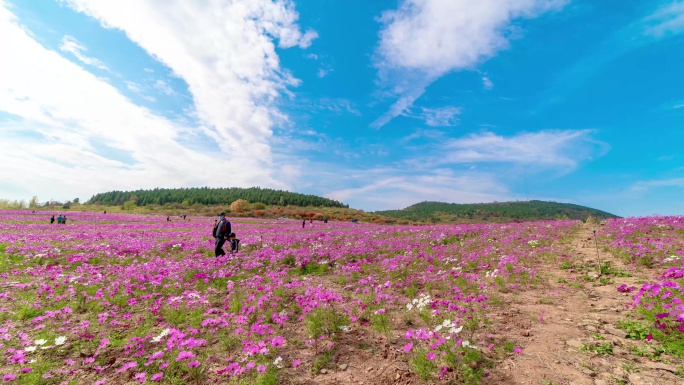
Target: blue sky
(379,104)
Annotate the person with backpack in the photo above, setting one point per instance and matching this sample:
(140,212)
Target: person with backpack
(59,219)
(221,233)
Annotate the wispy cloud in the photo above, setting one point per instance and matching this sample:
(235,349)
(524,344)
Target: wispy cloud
(487,83)
(226,52)
(424,39)
(650,184)
(435,117)
(70,113)
(394,192)
(72,46)
(560,149)
(163,87)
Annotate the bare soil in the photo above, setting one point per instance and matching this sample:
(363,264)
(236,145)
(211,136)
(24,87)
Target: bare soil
(552,322)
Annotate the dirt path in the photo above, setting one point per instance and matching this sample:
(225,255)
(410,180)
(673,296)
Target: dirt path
(580,312)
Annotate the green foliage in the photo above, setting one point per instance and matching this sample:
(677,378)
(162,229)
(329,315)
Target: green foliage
(602,349)
(495,212)
(635,330)
(325,322)
(213,196)
(422,366)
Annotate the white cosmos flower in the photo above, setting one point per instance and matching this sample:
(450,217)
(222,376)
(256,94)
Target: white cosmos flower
(60,340)
(40,342)
(30,348)
(278,362)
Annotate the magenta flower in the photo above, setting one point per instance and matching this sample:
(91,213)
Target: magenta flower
(193,364)
(431,356)
(9,377)
(157,377)
(26,370)
(185,355)
(408,347)
(261,369)
(517,350)
(296,363)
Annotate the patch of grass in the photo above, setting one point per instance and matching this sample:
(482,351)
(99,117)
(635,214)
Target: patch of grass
(546,301)
(321,361)
(602,349)
(422,366)
(635,330)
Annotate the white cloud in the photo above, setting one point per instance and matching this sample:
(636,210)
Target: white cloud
(133,87)
(429,38)
(71,45)
(550,148)
(441,117)
(394,192)
(164,87)
(323,72)
(650,184)
(63,117)
(487,83)
(667,20)
(224,51)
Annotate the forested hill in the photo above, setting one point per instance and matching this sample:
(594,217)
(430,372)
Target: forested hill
(495,212)
(212,196)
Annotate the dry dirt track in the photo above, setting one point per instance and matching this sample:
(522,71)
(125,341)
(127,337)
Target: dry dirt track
(551,322)
(582,315)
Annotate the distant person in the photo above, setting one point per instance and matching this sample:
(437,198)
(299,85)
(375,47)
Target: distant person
(64,220)
(168,219)
(311,222)
(105,212)
(234,243)
(184,216)
(221,233)
(52,220)
(59,219)
(304,223)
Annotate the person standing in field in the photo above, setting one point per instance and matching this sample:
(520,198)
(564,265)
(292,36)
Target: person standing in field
(59,219)
(221,233)
(64,220)
(52,220)
(304,223)
(234,243)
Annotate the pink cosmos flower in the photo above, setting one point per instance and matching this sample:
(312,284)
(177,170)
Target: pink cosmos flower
(193,364)
(185,355)
(278,341)
(261,369)
(408,347)
(517,350)
(141,377)
(26,370)
(431,356)
(156,377)
(100,382)
(9,377)
(296,363)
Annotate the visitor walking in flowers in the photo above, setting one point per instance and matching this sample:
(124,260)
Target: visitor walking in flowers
(221,232)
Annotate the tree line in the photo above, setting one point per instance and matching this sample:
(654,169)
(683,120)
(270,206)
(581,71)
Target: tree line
(495,212)
(212,196)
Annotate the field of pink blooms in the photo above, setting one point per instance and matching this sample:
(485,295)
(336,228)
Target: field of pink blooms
(119,299)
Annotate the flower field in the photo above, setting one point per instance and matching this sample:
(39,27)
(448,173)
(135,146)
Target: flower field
(125,299)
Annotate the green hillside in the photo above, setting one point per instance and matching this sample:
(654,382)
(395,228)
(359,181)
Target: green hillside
(212,196)
(494,212)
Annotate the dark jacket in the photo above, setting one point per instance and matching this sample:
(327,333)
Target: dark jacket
(222,229)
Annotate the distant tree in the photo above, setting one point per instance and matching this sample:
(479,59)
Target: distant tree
(76,201)
(258,206)
(239,205)
(129,205)
(33,203)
